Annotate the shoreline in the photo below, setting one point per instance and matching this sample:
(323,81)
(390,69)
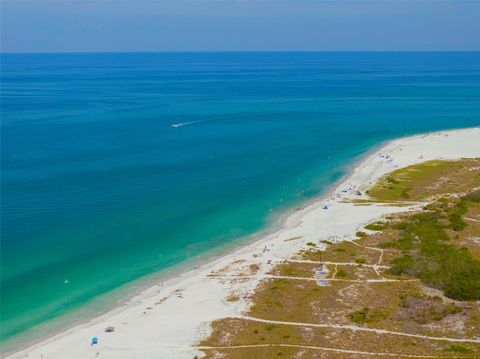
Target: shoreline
(303,219)
(129,291)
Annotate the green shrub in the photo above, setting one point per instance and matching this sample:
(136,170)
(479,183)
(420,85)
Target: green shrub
(378,314)
(270,327)
(365,315)
(289,272)
(377,226)
(399,225)
(392,180)
(404,194)
(360,260)
(403,265)
(458,349)
(464,285)
(473,197)
(359,316)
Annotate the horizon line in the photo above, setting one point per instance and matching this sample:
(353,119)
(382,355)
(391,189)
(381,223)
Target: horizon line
(227,51)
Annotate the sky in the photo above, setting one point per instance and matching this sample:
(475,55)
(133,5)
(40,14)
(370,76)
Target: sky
(239,25)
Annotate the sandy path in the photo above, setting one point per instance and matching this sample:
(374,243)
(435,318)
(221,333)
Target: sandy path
(346,351)
(357,328)
(471,219)
(336,263)
(273,276)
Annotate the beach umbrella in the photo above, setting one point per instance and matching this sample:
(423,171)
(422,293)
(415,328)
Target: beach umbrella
(94,340)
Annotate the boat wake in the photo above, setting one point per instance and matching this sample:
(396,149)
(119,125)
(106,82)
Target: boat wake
(181,124)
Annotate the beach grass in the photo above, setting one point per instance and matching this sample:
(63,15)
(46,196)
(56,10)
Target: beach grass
(427,179)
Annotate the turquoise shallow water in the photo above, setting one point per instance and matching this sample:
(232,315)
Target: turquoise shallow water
(99,190)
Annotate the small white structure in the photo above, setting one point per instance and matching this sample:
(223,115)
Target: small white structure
(321,276)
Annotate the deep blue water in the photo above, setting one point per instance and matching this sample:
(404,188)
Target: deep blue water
(99,189)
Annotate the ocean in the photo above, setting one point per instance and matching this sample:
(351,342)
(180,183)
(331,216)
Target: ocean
(119,165)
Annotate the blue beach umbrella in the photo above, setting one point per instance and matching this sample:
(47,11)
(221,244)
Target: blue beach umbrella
(94,340)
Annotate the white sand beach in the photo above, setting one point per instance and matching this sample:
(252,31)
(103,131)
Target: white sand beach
(167,320)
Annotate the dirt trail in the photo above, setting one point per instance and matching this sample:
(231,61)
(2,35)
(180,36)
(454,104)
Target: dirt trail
(273,276)
(357,328)
(347,351)
(471,219)
(336,263)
